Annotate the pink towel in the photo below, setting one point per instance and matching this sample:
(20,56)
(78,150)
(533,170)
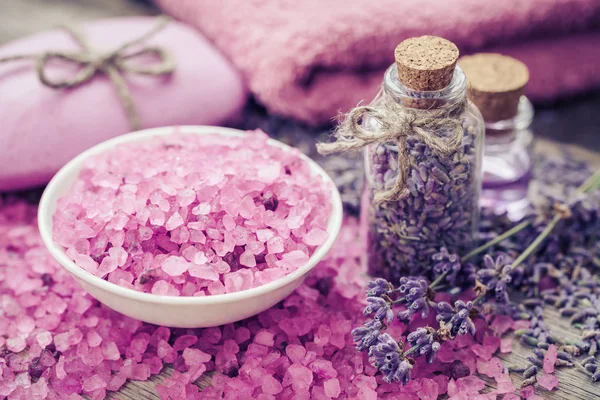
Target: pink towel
(310,59)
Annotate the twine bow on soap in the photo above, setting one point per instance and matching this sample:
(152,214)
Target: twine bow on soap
(112,63)
(439,129)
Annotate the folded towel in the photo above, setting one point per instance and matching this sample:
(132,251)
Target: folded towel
(310,59)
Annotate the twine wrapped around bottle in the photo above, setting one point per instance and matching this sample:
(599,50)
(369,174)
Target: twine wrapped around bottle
(439,129)
(112,63)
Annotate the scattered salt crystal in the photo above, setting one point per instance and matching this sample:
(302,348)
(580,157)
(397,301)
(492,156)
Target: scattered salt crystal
(194,357)
(506,345)
(429,389)
(527,392)
(264,338)
(504,384)
(550,359)
(520,324)
(185,341)
(548,381)
(470,384)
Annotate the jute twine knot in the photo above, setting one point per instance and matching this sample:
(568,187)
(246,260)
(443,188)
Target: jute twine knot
(112,63)
(439,129)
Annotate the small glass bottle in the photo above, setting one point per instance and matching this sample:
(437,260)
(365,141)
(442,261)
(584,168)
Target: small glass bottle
(496,86)
(440,207)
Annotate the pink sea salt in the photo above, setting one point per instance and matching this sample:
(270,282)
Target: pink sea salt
(297,349)
(178,214)
(501,324)
(506,345)
(550,359)
(527,392)
(548,381)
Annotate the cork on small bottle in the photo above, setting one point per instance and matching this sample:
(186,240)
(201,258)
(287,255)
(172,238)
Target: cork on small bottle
(496,84)
(426,63)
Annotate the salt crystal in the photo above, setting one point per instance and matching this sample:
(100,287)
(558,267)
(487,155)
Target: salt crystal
(470,384)
(315,237)
(44,338)
(164,288)
(527,392)
(63,341)
(92,383)
(264,234)
(548,381)
(185,341)
(271,385)
(16,344)
(504,384)
(550,359)
(520,324)
(275,245)
(201,209)
(301,377)
(107,266)
(322,336)
(203,271)
(247,259)
(264,338)
(194,357)
(506,345)
(110,351)
(429,389)
(366,393)
(295,352)
(175,266)
(323,368)
(93,339)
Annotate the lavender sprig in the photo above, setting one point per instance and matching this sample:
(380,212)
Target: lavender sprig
(513,265)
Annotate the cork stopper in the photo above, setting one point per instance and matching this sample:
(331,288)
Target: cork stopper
(496,83)
(426,63)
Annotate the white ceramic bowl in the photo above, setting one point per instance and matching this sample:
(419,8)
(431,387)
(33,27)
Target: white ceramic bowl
(185,312)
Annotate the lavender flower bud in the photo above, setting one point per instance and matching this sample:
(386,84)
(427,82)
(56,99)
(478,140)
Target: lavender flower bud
(379,287)
(367,335)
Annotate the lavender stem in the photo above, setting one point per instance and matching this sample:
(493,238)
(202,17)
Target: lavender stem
(412,349)
(497,239)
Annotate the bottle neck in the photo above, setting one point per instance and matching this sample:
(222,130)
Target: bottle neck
(505,129)
(394,89)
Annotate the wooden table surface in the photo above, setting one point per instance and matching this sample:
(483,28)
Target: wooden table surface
(573,122)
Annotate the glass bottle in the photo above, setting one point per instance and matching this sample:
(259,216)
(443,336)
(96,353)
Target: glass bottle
(496,85)
(441,208)
(507,163)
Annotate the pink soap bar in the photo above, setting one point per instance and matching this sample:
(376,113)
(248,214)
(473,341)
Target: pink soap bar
(43,128)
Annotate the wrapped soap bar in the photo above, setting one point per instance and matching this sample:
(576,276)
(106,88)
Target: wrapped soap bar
(44,127)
